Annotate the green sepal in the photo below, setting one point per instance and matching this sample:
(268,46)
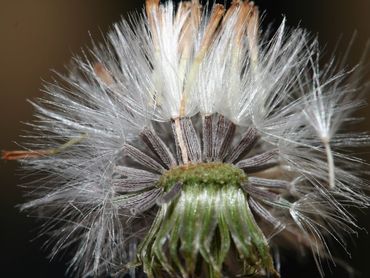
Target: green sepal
(195,233)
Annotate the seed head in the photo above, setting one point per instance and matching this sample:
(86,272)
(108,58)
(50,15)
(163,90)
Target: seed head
(191,144)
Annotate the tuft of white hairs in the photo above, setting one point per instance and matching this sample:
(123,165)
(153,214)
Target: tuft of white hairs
(152,70)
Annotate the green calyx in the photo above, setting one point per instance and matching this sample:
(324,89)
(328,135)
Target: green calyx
(208,230)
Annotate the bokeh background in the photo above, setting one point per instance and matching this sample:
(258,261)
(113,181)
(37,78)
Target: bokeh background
(39,35)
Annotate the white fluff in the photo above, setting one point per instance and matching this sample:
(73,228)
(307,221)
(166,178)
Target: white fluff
(295,106)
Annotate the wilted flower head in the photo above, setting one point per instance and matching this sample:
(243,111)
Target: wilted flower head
(194,145)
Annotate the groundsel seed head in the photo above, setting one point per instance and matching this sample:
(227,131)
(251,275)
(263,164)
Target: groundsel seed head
(192,144)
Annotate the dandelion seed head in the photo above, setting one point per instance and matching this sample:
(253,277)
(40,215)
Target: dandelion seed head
(190,137)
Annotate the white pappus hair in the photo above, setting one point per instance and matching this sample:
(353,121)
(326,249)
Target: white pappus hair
(182,85)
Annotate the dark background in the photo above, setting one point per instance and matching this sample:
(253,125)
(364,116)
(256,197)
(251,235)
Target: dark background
(39,35)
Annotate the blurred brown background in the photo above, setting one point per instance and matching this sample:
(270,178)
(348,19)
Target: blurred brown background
(39,35)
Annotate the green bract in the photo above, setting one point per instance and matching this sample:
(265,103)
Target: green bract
(195,232)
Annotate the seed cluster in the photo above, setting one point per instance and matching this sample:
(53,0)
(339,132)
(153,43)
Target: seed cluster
(193,144)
